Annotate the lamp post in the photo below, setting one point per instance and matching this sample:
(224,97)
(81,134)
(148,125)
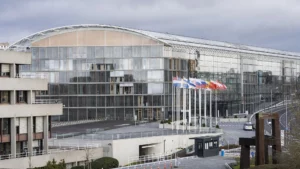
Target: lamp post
(272,99)
(286,124)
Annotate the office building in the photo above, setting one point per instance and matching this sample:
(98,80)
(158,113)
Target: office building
(109,72)
(24,120)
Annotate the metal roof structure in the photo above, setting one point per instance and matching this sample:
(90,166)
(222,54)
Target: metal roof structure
(168,39)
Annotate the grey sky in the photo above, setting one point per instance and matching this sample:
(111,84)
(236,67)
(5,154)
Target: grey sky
(264,23)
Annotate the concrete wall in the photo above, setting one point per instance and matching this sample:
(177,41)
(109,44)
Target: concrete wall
(23,84)
(27,110)
(39,161)
(126,148)
(15,57)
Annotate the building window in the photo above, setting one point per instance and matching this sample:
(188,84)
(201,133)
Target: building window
(5,126)
(21,96)
(4,97)
(4,70)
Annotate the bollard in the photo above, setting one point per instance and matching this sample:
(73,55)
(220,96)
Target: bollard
(171,165)
(222,152)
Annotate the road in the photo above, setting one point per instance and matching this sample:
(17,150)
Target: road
(282,118)
(233,131)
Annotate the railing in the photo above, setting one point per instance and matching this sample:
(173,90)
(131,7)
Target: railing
(130,135)
(47,101)
(158,161)
(31,76)
(268,108)
(53,151)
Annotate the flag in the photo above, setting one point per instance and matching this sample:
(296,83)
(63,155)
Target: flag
(179,83)
(199,83)
(218,85)
(190,84)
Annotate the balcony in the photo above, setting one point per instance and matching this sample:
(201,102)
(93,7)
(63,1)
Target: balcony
(23,84)
(38,108)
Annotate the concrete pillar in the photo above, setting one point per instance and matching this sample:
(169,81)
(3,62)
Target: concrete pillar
(29,96)
(46,133)
(13,97)
(30,135)
(245,157)
(13,70)
(13,141)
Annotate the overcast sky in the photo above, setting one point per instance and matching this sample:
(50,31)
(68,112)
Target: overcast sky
(265,23)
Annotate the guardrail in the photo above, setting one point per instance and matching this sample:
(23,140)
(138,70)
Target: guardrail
(53,151)
(268,108)
(118,136)
(31,76)
(167,163)
(47,101)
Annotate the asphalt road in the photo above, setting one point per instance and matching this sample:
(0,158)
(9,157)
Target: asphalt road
(102,125)
(282,118)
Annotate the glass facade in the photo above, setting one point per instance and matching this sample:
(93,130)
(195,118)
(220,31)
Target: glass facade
(250,78)
(115,80)
(112,83)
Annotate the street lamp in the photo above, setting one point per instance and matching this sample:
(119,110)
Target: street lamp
(272,98)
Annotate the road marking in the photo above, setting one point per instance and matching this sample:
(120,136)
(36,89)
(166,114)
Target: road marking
(122,125)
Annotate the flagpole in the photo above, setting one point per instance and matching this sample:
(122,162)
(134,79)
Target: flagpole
(172,106)
(210,110)
(216,113)
(216,103)
(184,109)
(190,106)
(205,108)
(200,120)
(195,104)
(178,108)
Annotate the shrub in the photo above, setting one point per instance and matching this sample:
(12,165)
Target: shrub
(203,124)
(217,126)
(235,116)
(245,116)
(162,122)
(105,163)
(78,167)
(169,121)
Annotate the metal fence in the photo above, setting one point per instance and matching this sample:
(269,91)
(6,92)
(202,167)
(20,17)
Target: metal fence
(47,101)
(50,151)
(129,135)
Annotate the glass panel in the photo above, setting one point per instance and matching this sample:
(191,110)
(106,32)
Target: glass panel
(119,113)
(91,101)
(73,115)
(91,114)
(100,113)
(82,114)
(101,101)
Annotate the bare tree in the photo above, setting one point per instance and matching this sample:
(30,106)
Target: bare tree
(88,156)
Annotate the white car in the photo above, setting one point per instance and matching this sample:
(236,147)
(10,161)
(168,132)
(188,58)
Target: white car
(248,126)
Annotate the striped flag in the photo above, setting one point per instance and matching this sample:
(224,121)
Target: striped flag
(190,83)
(218,85)
(179,83)
(199,83)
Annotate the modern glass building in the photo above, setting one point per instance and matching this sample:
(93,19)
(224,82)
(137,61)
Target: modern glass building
(110,72)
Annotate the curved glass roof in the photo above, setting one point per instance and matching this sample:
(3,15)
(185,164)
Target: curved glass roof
(167,39)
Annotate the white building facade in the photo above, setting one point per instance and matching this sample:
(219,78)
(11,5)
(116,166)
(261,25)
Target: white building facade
(24,121)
